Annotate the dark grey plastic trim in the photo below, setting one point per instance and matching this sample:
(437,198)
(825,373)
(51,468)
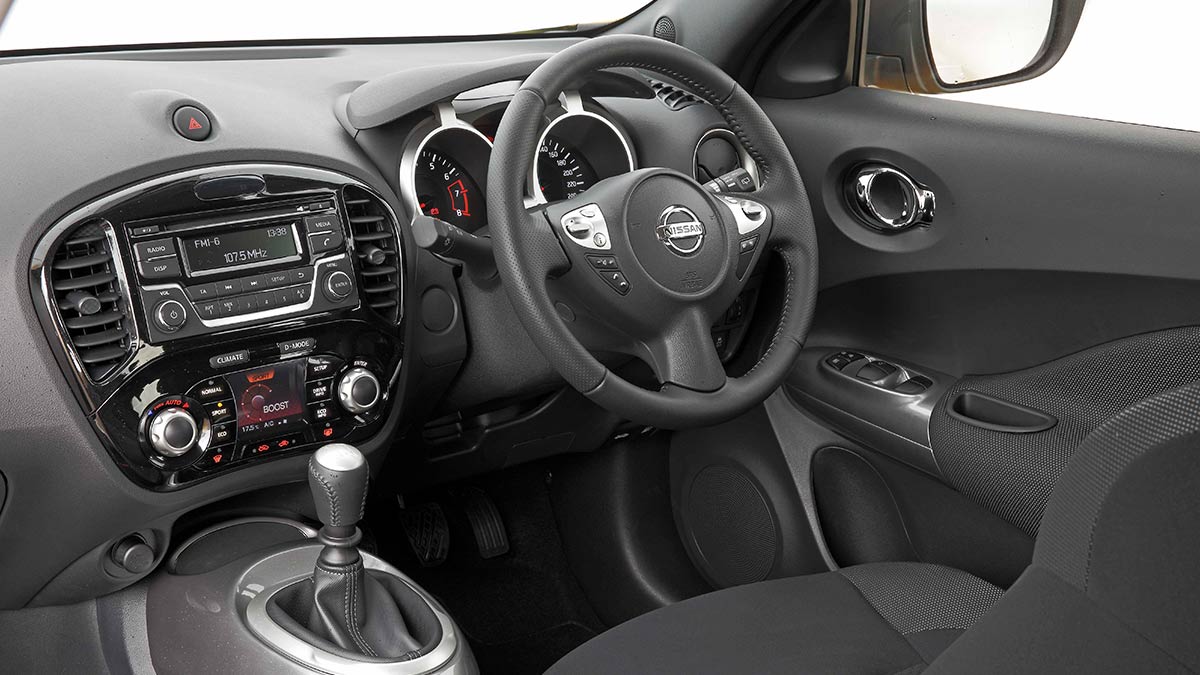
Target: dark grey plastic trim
(1002,416)
(893,423)
(393,96)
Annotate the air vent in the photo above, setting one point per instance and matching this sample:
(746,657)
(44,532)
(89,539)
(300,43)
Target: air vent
(375,243)
(673,97)
(87,295)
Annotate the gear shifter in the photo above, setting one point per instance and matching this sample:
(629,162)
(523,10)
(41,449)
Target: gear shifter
(337,476)
(344,608)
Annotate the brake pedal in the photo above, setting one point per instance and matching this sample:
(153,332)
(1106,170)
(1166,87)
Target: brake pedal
(428,532)
(490,535)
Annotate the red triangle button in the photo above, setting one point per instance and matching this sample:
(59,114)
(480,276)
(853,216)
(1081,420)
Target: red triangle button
(193,124)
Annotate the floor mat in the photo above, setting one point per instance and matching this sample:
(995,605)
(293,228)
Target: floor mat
(522,610)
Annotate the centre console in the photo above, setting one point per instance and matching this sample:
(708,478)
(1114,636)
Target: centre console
(220,317)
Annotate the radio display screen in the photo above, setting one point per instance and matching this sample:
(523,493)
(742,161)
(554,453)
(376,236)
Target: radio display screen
(270,401)
(240,248)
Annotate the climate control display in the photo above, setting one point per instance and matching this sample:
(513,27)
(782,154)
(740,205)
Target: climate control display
(270,401)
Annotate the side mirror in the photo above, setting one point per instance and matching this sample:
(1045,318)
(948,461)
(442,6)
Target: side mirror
(942,46)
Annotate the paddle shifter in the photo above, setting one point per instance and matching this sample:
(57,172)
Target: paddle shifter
(346,609)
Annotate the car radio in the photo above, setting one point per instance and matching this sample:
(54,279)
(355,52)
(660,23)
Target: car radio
(201,275)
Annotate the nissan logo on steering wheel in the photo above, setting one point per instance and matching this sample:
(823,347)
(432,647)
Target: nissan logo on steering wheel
(680,230)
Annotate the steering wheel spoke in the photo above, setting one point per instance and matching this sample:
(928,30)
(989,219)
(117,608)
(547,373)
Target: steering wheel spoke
(683,354)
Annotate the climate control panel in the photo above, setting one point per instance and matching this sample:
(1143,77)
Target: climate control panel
(238,417)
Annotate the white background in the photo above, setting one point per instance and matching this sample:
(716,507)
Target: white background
(1130,61)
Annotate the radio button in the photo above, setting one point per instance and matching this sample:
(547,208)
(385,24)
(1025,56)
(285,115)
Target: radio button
(325,241)
(338,285)
(245,304)
(208,310)
(227,307)
(163,268)
(255,283)
(170,315)
(202,292)
(229,287)
(158,248)
(323,223)
(277,279)
(301,275)
(267,300)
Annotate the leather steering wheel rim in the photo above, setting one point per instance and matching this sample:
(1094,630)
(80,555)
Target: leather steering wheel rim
(529,247)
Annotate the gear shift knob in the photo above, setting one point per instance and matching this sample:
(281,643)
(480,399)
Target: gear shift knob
(337,476)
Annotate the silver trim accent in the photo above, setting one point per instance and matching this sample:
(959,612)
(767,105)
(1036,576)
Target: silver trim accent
(668,232)
(741,208)
(158,430)
(572,106)
(444,119)
(163,324)
(285,310)
(919,202)
(587,220)
(744,157)
(269,576)
(40,270)
(346,387)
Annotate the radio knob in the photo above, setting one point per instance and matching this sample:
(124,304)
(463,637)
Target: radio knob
(338,285)
(358,390)
(170,315)
(173,432)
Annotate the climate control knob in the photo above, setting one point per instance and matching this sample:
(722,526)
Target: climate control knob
(173,432)
(358,390)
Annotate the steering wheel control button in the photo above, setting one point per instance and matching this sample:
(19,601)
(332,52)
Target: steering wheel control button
(749,215)
(170,315)
(586,226)
(192,123)
(173,432)
(603,262)
(337,286)
(748,244)
(616,281)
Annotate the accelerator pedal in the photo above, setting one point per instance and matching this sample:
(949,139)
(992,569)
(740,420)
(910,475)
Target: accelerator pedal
(488,527)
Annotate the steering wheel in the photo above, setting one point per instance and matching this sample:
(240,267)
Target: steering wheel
(643,263)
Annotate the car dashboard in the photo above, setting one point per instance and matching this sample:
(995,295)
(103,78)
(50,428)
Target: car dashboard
(212,282)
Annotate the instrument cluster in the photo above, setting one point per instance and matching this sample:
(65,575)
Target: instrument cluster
(443,172)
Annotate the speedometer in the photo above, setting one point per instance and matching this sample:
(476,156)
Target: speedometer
(447,192)
(563,173)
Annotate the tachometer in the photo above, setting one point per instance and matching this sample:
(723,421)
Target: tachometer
(562,171)
(446,191)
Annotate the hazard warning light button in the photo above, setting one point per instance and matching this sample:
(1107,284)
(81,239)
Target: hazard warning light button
(192,123)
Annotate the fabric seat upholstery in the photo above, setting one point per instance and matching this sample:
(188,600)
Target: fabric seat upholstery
(1112,587)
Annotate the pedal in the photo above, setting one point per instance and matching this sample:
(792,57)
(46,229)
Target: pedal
(428,532)
(486,524)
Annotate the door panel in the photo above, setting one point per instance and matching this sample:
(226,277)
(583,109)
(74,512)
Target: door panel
(1052,235)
